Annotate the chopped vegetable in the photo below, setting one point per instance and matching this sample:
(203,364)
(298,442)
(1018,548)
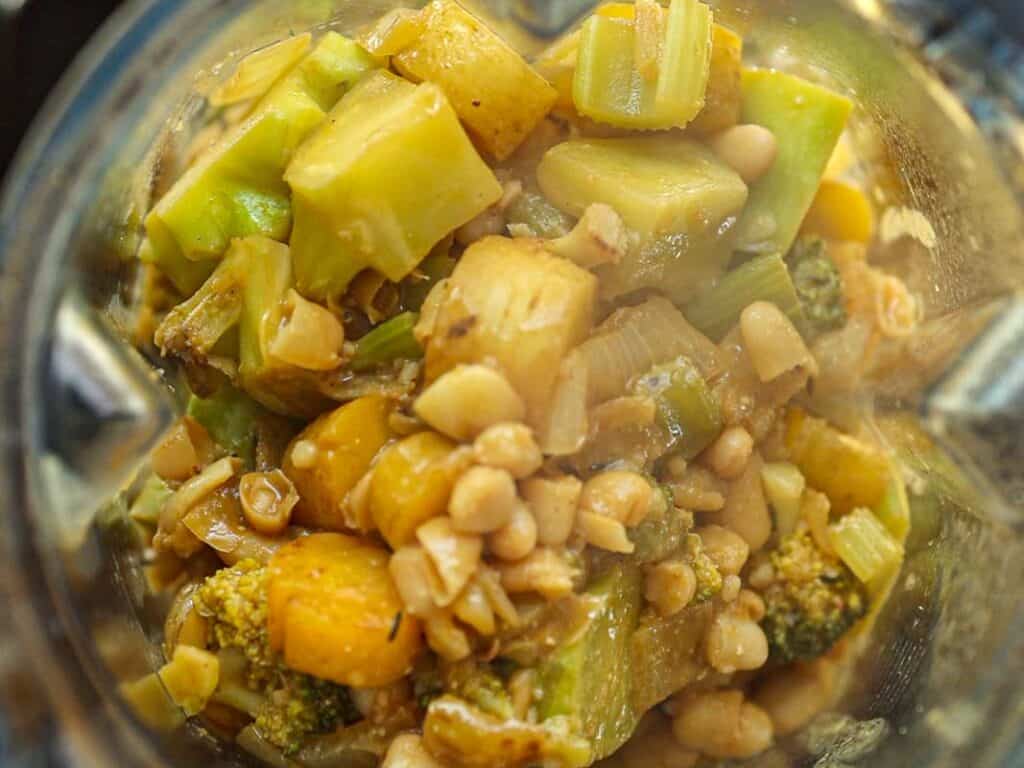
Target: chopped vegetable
(152,704)
(590,681)
(866,546)
(687,409)
(236,422)
(329,592)
(190,678)
(784,486)
(807,120)
(388,342)
(257,72)
(819,285)
(519,307)
(648,73)
(236,188)
(151,499)
(724,96)
(841,212)
(666,655)
(531,214)
(813,600)
(370,188)
(341,447)
(598,238)
(498,96)
(766,278)
(850,472)
(893,511)
(658,184)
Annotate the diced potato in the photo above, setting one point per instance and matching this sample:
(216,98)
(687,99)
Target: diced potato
(840,211)
(345,443)
(724,95)
(850,472)
(497,95)
(257,72)
(190,678)
(411,484)
(333,612)
(807,121)
(558,65)
(386,178)
(236,188)
(657,184)
(517,306)
(151,703)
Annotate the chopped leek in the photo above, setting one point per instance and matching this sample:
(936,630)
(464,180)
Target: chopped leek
(783,486)
(807,121)
(648,73)
(717,312)
(866,546)
(687,408)
(390,341)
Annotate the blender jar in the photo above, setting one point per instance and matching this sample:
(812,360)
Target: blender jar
(80,407)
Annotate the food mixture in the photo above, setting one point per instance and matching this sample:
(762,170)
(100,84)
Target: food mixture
(515,432)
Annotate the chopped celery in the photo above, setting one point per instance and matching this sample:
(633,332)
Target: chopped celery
(658,184)
(647,73)
(866,546)
(894,509)
(784,486)
(232,418)
(390,341)
(766,278)
(687,408)
(381,183)
(807,121)
(257,72)
(236,189)
(666,655)
(497,95)
(590,681)
(539,217)
(147,505)
(661,535)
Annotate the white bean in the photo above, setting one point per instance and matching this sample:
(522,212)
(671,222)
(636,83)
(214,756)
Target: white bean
(510,447)
(750,150)
(482,500)
(729,454)
(722,724)
(517,539)
(735,644)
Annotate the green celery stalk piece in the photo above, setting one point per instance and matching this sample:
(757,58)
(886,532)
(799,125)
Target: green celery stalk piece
(660,536)
(807,121)
(388,342)
(236,188)
(687,408)
(666,655)
(231,418)
(590,681)
(147,505)
(765,278)
(659,185)
(389,175)
(609,88)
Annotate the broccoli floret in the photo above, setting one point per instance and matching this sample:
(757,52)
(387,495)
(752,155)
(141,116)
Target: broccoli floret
(296,705)
(709,578)
(812,602)
(818,284)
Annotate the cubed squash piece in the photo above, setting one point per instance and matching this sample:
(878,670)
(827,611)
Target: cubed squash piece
(657,184)
(389,175)
(344,444)
(411,485)
(334,612)
(724,96)
(840,211)
(236,189)
(647,73)
(514,305)
(807,121)
(497,95)
(257,72)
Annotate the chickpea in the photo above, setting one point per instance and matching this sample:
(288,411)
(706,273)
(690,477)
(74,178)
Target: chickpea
(729,454)
(483,500)
(731,586)
(750,150)
(444,404)
(794,695)
(604,533)
(722,724)
(517,539)
(728,550)
(670,586)
(510,447)
(619,495)
(553,502)
(268,499)
(734,643)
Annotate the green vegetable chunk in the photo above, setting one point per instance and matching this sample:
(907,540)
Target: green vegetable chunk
(235,421)
(807,121)
(814,600)
(766,278)
(388,342)
(866,546)
(819,286)
(649,73)
(590,680)
(147,505)
(236,188)
(381,183)
(687,408)
(666,654)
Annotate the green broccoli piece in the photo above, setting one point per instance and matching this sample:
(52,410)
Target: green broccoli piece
(296,705)
(812,602)
(818,285)
(709,578)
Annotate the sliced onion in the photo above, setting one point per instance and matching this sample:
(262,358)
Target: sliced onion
(567,425)
(636,339)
